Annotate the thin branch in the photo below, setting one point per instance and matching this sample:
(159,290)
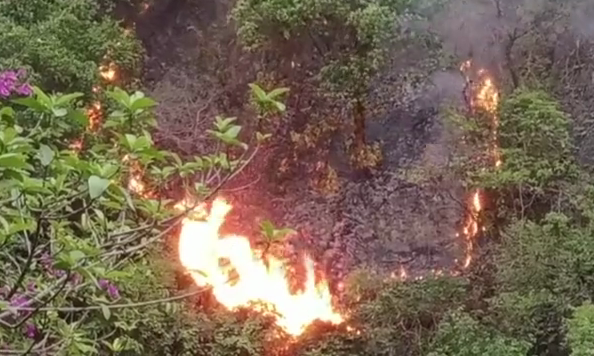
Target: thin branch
(118,306)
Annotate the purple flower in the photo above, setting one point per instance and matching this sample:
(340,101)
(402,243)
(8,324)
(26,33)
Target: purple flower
(30,330)
(113,292)
(4,90)
(103,283)
(18,300)
(111,288)
(24,89)
(12,82)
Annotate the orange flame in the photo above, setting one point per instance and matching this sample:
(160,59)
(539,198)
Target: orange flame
(261,285)
(94,113)
(108,72)
(136,182)
(487,99)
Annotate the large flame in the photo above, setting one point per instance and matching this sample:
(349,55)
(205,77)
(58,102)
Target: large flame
(247,280)
(482,95)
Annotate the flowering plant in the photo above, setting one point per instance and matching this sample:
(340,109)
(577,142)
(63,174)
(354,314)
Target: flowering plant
(72,230)
(13,83)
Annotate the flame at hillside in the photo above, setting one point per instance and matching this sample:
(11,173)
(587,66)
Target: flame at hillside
(246,279)
(483,95)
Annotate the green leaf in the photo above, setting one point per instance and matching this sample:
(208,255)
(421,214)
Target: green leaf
(142,103)
(222,123)
(79,116)
(42,97)
(233,131)
(4,224)
(30,103)
(141,143)
(120,96)
(97,186)
(267,228)
(136,95)
(131,140)
(280,106)
(67,98)
(106,312)
(46,155)
(16,227)
(257,91)
(76,255)
(128,198)
(8,135)
(278,92)
(59,112)
(12,160)
(6,111)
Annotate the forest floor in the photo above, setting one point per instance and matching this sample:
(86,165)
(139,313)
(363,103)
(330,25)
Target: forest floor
(392,220)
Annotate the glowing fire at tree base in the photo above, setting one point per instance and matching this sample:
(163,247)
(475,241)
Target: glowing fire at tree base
(247,280)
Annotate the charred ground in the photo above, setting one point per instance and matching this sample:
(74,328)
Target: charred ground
(387,220)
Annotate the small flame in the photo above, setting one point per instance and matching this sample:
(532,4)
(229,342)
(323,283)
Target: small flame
(258,284)
(108,72)
(136,182)
(487,99)
(94,113)
(76,145)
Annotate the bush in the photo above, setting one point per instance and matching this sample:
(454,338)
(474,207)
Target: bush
(461,335)
(64,42)
(581,331)
(74,233)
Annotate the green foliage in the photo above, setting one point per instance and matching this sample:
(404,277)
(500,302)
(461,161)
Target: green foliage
(461,335)
(553,255)
(581,331)
(271,234)
(351,37)
(74,234)
(268,103)
(63,42)
(535,141)
(172,328)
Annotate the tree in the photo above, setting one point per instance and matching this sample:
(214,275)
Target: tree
(342,44)
(73,230)
(65,45)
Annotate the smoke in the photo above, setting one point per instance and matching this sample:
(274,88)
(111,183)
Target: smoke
(582,20)
(482,28)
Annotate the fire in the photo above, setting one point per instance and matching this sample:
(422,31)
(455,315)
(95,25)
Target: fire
(108,72)
(136,182)
(486,99)
(247,280)
(94,113)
